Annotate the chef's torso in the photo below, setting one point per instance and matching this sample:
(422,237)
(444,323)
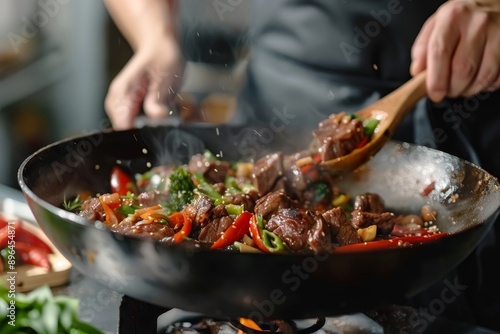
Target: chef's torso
(317,57)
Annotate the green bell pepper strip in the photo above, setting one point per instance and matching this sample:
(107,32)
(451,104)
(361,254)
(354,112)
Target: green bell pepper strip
(265,240)
(207,189)
(273,242)
(234,209)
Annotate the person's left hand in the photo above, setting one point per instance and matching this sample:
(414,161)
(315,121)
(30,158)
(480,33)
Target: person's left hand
(460,48)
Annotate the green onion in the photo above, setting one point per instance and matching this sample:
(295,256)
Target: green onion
(369,125)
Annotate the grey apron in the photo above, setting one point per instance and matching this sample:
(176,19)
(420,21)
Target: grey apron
(309,59)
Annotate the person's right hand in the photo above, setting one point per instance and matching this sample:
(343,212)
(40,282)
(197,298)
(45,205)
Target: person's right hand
(149,81)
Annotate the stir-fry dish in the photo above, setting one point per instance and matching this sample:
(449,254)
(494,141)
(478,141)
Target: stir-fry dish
(278,204)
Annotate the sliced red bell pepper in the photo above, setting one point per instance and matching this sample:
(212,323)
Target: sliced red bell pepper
(20,233)
(363,142)
(121,182)
(181,221)
(390,243)
(3,222)
(316,156)
(24,235)
(4,236)
(235,232)
(32,255)
(256,236)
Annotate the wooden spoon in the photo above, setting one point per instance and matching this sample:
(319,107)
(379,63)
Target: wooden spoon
(390,111)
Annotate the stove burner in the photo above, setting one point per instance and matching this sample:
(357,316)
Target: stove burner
(280,327)
(140,317)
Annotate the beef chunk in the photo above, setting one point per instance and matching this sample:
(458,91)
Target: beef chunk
(248,199)
(213,171)
(296,180)
(92,209)
(199,211)
(271,203)
(219,211)
(320,240)
(156,231)
(343,231)
(267,171)
(338,135)
(151,198)
(213,230)
(292,227)
(385,221)
(369,203)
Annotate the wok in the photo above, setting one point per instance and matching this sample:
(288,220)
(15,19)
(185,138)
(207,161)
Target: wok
(259,286)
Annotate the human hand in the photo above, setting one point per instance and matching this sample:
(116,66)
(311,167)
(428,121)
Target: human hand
(460,48)
(150,81)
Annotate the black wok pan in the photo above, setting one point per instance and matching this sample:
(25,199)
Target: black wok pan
(255,285)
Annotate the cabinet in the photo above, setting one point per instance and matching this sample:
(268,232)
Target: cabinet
(57,91)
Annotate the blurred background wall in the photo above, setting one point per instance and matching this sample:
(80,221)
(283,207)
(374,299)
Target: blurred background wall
(57,58)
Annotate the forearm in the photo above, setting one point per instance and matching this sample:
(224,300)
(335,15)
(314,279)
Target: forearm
(144,22)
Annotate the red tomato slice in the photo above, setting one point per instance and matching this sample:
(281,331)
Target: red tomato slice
(121,182)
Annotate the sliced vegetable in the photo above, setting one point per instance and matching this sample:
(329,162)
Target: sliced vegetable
(4,236)
(235,232)
(255,223)
(180,220)
(3,222)
(30,254)
(234,209)
(24,235)
(244,248)
(110,214)
(340,200)
(206,188)
(272,242)
(112,200)
(128,209)
(20,234)
(408,241)
(265,240)
(363,142)
(121,182)
(369,125)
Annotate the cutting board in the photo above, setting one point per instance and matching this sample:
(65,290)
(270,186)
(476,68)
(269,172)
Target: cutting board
(29,277)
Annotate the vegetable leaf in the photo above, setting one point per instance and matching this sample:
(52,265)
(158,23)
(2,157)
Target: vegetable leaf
(181,189)
(40,312)
(74,205)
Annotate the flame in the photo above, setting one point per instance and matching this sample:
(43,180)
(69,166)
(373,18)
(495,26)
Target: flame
(250,324)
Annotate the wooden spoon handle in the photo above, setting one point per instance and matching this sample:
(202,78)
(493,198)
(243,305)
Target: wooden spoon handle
(403,99)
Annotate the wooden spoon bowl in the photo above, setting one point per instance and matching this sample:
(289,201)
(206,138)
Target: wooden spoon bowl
(390,111)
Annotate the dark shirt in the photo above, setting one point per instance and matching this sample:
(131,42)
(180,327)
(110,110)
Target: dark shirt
(309,59)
